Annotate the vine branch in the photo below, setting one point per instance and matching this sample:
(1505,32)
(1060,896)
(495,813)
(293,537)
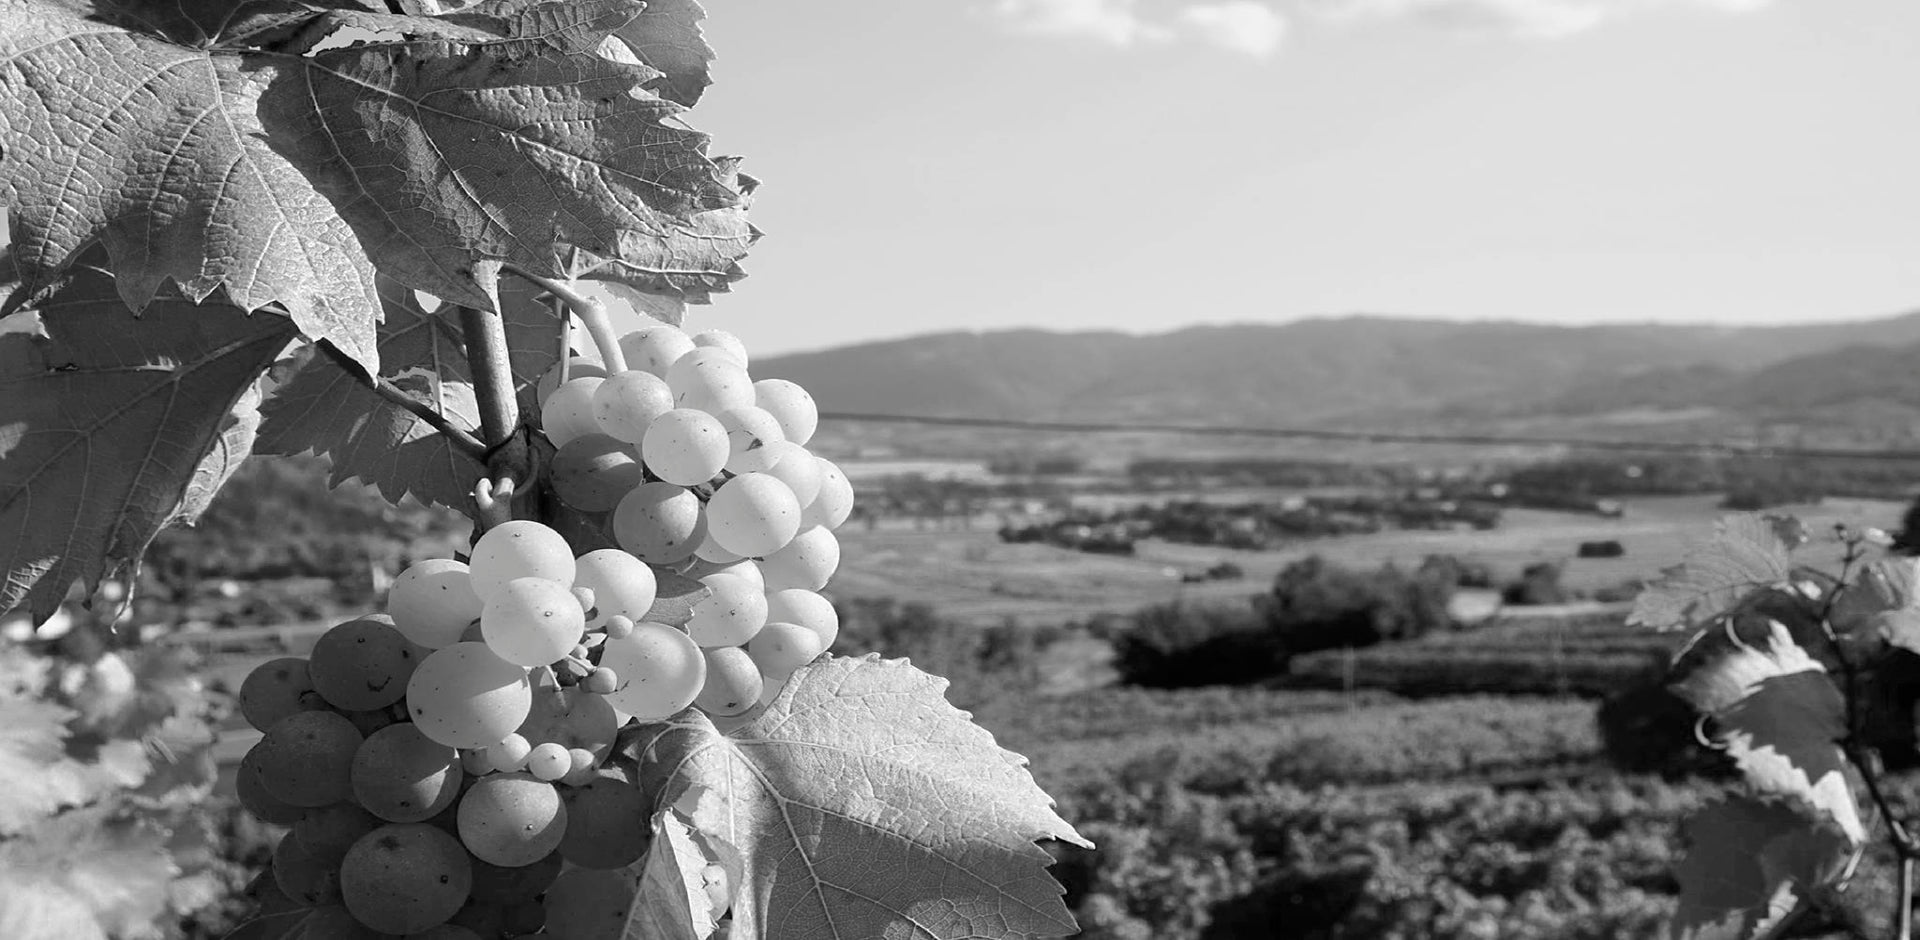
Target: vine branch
(461,438)
(592,314)
(487,359)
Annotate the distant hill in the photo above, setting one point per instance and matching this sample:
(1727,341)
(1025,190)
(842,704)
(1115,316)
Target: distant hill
(1326,370)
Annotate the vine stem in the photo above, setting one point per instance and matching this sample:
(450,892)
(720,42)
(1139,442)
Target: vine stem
(1904,915)
(461,438)
(592,314)
(487,359)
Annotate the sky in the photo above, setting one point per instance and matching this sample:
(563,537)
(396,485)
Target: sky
(1144,165)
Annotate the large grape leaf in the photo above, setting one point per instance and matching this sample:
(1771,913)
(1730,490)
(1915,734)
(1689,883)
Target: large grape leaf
(272,178)
(156,151)
(1749,865)
(331,412)
(448,158)
(861,804)
(1781,719)
(1745,553)
(112,426)
(666,35)
(85,875)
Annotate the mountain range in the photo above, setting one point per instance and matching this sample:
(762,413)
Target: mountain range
(1381,369)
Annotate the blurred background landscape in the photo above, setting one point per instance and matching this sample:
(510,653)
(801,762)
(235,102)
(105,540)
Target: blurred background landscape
(1290,688)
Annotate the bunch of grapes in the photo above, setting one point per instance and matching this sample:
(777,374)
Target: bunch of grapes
(448,770)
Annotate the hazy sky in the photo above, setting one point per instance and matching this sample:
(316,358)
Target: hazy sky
(954,164)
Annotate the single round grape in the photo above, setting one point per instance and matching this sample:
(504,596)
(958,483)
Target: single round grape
(532,622)
(746,568)
(475,763)
(586,904)
(753,514)
(625,405)
(447,931)
(622,585)
(512,819)
(660,523)
(432,602)
(655,348)
(510,754)
(403,776)
(362,664)
(251,788)
(791,404)
(685,446)
(548,762)
(486,919)
(834,503)
(569,718)
(731,613)
(807,562)
(733,682)
(593,471)
(723,341)
(660,669)
(602,680)
(505,885)
(709,380)
(619,625)
(568,412)
(520,548)
(303,876)
(608,823)
(581,765)
(578,367)
(371,720)
(711,552)
(306,758)
(326,832)
(405,877)
(807,609)
(467,696)
(751,434)
(583,596)
(780,648)
(525,919)
(796,467)
(272,691)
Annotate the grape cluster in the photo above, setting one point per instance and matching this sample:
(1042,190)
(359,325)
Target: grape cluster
(447,769)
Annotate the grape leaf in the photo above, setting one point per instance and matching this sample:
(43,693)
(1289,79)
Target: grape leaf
(46,770)
(1746,552)
(156,150)
(1748,866)
(325,409)
(113,426)
(1882,603)
(666,35)
(680,262)
(84,875)
(861,804)
(672,901)
(449,158)
(1781,720)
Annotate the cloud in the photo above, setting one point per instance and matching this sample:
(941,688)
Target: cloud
(1527,18)
(1245,26)
(1240,25)
(1116,22)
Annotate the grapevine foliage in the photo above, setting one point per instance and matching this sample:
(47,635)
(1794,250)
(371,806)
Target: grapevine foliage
(1759,858)
(188,164)
(108,764)
(858,786)
(1746,552)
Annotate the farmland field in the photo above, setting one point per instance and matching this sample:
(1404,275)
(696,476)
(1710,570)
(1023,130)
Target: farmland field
(972,576)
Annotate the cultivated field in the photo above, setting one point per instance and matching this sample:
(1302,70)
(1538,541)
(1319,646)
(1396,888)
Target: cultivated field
(973,576)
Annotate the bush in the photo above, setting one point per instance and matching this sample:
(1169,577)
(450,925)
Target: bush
(1176,645)
(1539,584)
(1316,605)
